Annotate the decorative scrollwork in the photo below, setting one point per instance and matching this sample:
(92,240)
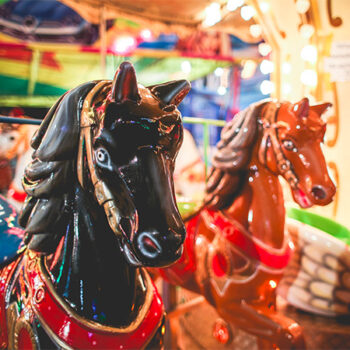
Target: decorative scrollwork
(334,21)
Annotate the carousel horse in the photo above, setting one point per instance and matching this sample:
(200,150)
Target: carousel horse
(100,207)
(236,246)
(15,143)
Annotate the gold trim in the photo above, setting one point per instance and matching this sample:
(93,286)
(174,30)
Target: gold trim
(91,324)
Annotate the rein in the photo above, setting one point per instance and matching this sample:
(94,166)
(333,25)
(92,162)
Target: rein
(271,126)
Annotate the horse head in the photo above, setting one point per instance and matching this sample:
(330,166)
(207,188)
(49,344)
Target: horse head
(291,147)
(121,139)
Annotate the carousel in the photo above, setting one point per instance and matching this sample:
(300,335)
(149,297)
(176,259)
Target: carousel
(174,175)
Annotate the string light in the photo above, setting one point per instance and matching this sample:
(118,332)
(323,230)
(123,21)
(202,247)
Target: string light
(222,90)
(264,49)
(218,72)
(186,67)
(146,34)
(264,6)
(124,44)
(233,5)
(255,30)
(212,14)
(309,77)
(302,6)
(266,67)
(309,53)
(247,12)
(267,87)
(249,68)
(307,31)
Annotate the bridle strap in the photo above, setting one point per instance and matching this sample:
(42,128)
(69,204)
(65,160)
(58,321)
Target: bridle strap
(270,125)
(103,194)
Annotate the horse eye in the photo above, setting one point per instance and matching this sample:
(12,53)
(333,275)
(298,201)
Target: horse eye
(289,145)
(102,156)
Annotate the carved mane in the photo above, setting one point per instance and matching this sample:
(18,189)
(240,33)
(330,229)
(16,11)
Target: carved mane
(48,179)
(232,157)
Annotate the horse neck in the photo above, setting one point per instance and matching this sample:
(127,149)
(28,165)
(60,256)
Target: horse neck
(88,269)
(260,205)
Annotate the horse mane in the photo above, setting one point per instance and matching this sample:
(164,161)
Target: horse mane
(232,157)
(47,179)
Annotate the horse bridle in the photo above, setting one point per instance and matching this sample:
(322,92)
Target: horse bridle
(103,194)
(270,125)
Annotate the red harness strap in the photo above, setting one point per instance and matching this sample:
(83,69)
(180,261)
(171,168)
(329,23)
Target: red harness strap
(5,277)
(16,194)
(255,249)
(69,329)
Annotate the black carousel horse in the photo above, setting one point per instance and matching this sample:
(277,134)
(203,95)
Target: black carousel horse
(100,207)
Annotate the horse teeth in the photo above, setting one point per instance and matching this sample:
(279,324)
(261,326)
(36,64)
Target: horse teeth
(300,294)
(334,263)
(346,280)
(314,253)
(329,276)
(309,266)
(323,290)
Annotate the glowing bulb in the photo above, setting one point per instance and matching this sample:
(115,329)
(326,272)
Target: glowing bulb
(146,34)
(286,68)
(307,31)
(212,14)
(309,77)
(247,12)
(124,44)
(219,72)
(264,49)
(286,88)
(255,30)
(233,5)
(266,67)
(309,53)
(302,6)
(222,90)
(248,70)
(267,87)
(186,67)
(272,284)
(264,6)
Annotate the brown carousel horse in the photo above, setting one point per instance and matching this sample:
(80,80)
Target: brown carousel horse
(236,246)
(100,206)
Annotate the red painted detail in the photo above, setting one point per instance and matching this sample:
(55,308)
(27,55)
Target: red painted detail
(185,267)
(24,340)
(16,54)
(48,59)
(5,276)
(71,329)
(221,332)
(274,258)
(219,265)
(17,195)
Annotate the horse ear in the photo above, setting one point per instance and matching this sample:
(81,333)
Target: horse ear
(302,108)
(124,86)
(320,108)
(172,92)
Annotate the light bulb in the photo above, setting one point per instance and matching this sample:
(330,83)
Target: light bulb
(247,12)
(218,72)
(309,77)
(267,87)
(124,44)
(307,31)
(186,67)
(233,5)
(266,67)
(249,68)
(286,68)
(309,53)
(264,6)
(302,6)
(212,14)
(286,88)
(146,34)
(264,49)
(255,30)
(222,90)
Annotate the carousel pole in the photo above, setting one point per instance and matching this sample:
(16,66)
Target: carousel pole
(103,40)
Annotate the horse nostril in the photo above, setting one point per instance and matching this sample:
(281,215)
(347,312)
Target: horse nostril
(148,246)
(318,192)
